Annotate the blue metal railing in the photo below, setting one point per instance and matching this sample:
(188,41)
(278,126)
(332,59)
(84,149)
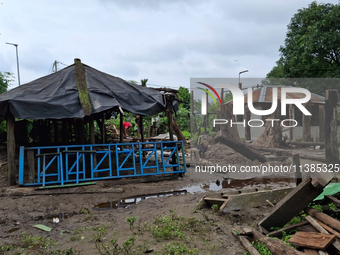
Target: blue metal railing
(77,163)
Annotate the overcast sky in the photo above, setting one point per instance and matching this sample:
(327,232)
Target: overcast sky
(166,41)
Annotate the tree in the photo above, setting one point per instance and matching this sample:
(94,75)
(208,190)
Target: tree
(5,79)
(312,46)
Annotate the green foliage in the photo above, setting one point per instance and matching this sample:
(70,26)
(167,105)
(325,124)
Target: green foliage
(332,206)
(143,82)
(177,248)
(5,80)
(215,207)
(184,95)
(317,207)
(131,221)
(312,46)
(262,248)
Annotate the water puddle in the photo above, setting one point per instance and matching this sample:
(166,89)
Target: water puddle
(236,183)
(125,202)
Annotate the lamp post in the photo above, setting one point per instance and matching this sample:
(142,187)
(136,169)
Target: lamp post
(239,74)
(16,47)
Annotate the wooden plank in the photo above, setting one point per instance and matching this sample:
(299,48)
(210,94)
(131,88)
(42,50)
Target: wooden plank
(246,243)
(291,205)
(68,185)
(254,199)
(278,233)
(12,169)
(333,200)
(312,240)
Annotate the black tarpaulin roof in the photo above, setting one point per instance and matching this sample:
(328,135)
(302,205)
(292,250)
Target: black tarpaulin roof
(55,96)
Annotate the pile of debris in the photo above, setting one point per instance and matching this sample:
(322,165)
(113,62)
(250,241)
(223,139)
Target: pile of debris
(317,233)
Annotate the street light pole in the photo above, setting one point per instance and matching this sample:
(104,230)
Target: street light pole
(239,82)
(16,47)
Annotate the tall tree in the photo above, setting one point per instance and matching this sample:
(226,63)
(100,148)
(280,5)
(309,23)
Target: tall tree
(312,45)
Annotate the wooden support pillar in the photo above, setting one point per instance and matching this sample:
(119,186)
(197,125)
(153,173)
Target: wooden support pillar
(206,119)
(277,136)
(92,134)
(331,127)
(93,141)
(142,134)
(306,121)
(296,163)
(31,165)
(222,108)
(169,114)
(80,131)
(103,129)
(291,116)
(56,133)
(65,132)
(193,124)
(12,169)
(247,127)
(121,127)
(321,123)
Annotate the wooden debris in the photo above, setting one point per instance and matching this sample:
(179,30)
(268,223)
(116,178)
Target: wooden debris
(254,199)
(333,223)
(316,225)
(333,200)
(329,229)
(291,205)
(246,243)
(311,240)
(275,246)
(240,147)
(278,233)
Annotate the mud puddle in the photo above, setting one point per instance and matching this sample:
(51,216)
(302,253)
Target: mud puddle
(125,202)
(237,184)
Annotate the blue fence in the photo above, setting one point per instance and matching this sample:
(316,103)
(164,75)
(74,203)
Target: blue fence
(76,163)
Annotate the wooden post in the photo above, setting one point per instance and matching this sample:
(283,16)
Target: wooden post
(92,135)
(221,112)
(296,163)
(321,123)
(206,119)
(121,127)
(306,121)
(193,124)
(12,173)
(93,141)
(331,127)
(247,127)
(103,129)
(31,165)
(291,116)
(277,132)
(65,132)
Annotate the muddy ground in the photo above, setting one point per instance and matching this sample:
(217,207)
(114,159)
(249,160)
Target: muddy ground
(90,224)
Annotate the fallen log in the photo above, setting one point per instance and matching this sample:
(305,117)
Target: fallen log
(288,153)
(306,143)
(239,147)
(328,220)
(277,247)
(246,243)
